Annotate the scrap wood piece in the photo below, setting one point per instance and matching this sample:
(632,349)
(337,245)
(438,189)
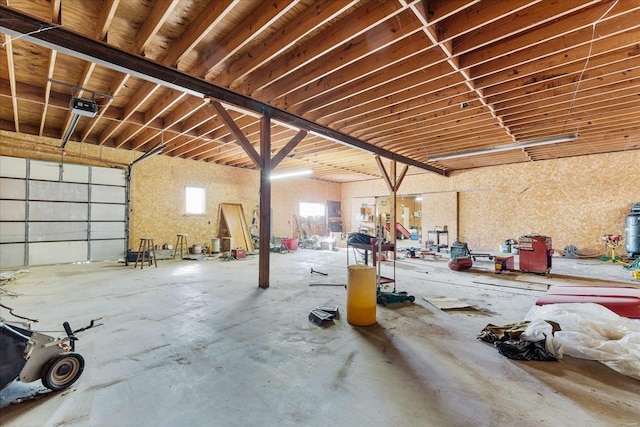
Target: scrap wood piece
(448,303)
(233,224)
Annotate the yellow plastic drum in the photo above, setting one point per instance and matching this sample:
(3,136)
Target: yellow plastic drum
(361,295)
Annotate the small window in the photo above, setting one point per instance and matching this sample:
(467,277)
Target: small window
(308,209)
(195,200)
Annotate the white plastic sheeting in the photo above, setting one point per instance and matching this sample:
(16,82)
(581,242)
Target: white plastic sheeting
(589,331)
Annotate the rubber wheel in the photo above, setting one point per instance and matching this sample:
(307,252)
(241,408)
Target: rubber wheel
(381,300)
(411,298)
(62,371)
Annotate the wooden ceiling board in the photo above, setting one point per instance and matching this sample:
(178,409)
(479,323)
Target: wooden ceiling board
(416,78)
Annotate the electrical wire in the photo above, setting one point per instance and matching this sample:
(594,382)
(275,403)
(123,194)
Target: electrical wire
(31,33)
(584,69)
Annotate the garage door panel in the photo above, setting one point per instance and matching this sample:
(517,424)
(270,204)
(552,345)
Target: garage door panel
(75,173)
(58,211)
(107,250)
(12,255)
(13,189)
(104,212)
(107,230)
(57,231)
(57,252)
(58,191)
(54,213)
(108,176)
(12,232)
(13,167)
(46,171)
(12,210)
(107,194)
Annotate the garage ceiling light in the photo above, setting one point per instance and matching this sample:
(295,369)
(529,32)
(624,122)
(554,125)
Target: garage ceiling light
(289,174)
(506,147)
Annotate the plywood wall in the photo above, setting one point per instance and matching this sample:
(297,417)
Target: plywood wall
(286,195)
(158,198)
(575,201)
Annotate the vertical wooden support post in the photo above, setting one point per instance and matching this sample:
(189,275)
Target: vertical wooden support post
(392,225)
(265,202)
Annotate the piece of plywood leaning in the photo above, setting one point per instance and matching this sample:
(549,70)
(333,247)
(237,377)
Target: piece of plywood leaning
(233,224)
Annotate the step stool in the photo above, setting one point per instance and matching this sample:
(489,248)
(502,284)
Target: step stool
(146,250)
(181,245)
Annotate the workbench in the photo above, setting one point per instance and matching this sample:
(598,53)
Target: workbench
(437,246)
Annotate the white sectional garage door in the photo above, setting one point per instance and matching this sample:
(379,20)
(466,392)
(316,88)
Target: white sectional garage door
(53,213)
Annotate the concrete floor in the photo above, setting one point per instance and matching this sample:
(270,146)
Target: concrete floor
(197,343)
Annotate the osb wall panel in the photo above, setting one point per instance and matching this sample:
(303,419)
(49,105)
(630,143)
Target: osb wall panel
(158,198)
(440,210)
(575,201)
(286,195)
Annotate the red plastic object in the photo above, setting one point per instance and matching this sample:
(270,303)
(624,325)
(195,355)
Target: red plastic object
(290,244)
(457,264)
(624,302)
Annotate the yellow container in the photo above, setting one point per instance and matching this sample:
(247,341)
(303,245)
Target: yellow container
(361,295)
(636,274)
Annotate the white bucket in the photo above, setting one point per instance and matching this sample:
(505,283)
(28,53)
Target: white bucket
(196,249)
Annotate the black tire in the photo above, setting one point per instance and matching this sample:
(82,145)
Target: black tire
(62,371)
(411,298)
(381,300)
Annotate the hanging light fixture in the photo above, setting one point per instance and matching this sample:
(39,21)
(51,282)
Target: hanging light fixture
(507,147)
(290,174)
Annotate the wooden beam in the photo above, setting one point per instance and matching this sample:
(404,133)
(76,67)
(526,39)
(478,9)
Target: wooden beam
(241,139)
(8,45)
(384,173)
(265,202)
(401,177)
(287,148)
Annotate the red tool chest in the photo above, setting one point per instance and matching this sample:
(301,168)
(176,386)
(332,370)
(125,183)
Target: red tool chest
(535,253)
(238,253)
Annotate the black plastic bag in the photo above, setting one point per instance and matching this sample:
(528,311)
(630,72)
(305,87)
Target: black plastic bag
(524,350)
